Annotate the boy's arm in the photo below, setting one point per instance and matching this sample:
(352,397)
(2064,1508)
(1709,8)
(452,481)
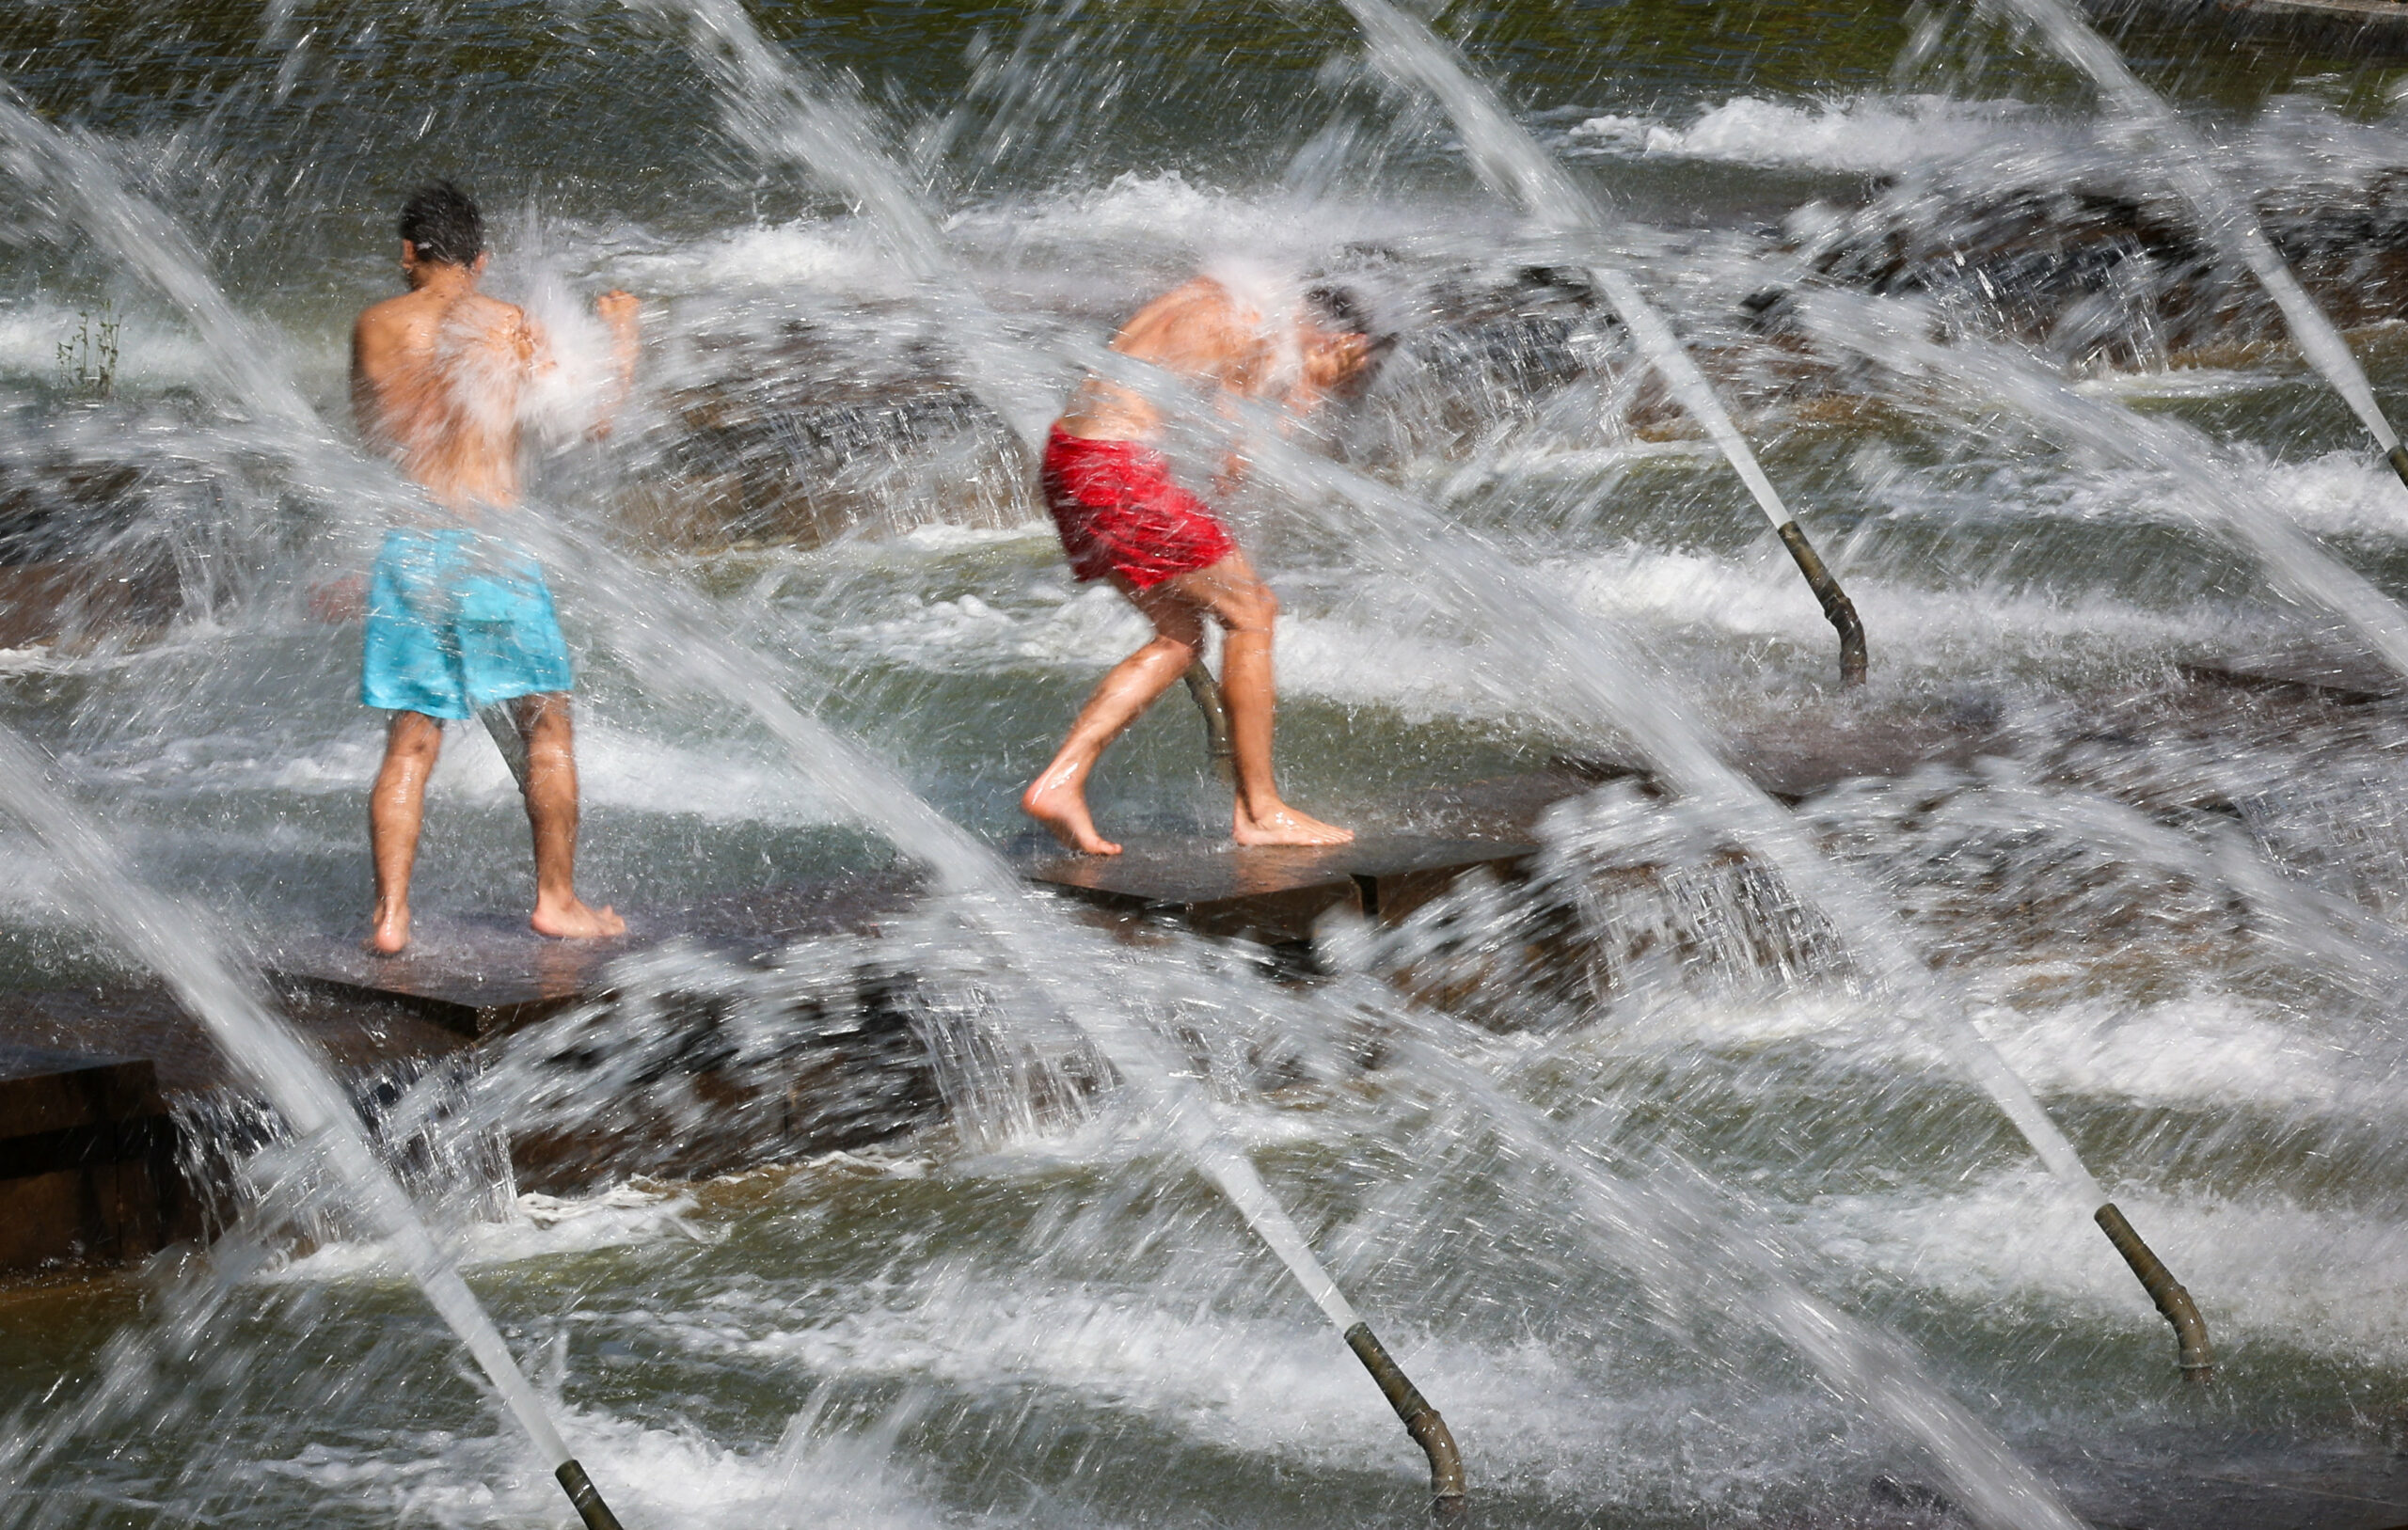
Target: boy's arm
(620,311)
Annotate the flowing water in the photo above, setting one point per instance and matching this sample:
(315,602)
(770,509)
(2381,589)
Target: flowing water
(2176,911)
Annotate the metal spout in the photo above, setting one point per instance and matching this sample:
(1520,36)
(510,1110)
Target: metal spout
(1837,609)
(2198,1362)
(2398,458)
(1206,692)
(512,744)
(1421,1421)
(590,1507)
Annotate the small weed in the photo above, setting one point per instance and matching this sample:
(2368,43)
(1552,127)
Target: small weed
(87,358)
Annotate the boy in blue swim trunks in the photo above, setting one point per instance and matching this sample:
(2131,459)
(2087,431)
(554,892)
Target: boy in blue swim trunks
(458,616)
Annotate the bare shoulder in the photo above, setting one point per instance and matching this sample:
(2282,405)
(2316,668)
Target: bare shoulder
(487,315)
(1199,320)
(382,323)
(1198,301)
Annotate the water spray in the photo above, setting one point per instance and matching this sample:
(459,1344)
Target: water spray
(990,896)
(778,118)
(167,938)
(159,252)
(2229,219)
(172,941)
(1509,165)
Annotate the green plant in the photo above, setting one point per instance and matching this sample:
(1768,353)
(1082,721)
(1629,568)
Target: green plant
(87,358)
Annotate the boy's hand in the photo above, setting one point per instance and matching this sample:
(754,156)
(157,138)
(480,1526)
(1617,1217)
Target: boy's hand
(336,601)
(618,309)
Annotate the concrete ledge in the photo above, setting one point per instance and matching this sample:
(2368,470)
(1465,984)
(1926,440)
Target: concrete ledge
(1273,895)
(88,1159)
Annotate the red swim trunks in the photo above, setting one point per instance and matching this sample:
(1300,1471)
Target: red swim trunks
(1119,512)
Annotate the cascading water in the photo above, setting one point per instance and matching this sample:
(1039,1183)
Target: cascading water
(762,87)
(171,942)
(1979,373)
(2170,908)
(964,866)
(1511,164)
(148,925)
(2227,217)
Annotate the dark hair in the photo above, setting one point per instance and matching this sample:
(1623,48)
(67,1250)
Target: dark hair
(443,222)
(1339,308)
(1342,309)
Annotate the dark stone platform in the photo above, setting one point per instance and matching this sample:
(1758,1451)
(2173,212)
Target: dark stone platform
(2350,678)
(86,1159)
(484,977)
(1273,893)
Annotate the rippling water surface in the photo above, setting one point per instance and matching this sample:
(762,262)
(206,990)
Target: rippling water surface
(2177,909)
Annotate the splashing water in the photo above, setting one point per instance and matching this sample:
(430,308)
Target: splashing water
(1510,162)
(2227,218)
(2224,1056)
(1979,373)
(172,943)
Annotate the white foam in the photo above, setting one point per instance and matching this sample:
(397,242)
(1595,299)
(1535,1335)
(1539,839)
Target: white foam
(648,1476)
(843,254)
(1866,133)
(2345,492)
(540,1228)
(2203,1049)
(1261,1385)
(2333,1281)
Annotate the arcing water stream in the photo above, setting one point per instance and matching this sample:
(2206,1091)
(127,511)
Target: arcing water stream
(1510,162)
(2227,217)
(2173,914)
(101,892)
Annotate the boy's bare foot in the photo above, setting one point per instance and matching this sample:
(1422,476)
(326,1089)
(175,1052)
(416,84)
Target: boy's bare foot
(388,931)
(1062,807)
(1284,825)
(575,921)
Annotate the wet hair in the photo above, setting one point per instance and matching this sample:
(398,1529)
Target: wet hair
(1342,309)
(443,222)
(1337,309)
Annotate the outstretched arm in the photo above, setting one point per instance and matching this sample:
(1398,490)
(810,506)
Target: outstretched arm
(620,311)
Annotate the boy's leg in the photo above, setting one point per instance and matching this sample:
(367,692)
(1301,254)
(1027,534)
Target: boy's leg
(1057,798)
(396,808)
(1247,611)
(551,818)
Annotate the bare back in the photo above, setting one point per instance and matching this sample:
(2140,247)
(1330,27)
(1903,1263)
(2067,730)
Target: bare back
(1199,330)
(435,379)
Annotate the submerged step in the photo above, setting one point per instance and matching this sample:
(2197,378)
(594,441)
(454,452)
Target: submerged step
(1273,893)
(484,977)
(2351,679)
(88,1161)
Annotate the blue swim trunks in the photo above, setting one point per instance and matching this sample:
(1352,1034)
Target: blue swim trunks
(457,620)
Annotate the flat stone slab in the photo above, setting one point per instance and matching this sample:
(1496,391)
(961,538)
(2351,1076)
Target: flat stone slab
(481,977)
(2351,678)
(87,1159)
(1272,893)
(45,1090)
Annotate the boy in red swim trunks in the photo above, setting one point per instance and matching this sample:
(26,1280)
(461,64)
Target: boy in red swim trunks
(1122,519)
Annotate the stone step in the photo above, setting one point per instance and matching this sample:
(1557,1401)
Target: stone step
(88,1159)
(1273,893)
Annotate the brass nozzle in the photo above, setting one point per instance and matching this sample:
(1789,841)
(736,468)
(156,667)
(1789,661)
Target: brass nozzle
(1421,1421)
(1837,609)
(2198,1362)
(503,726)
(2398,458)
(590,1507)
(1206,692)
